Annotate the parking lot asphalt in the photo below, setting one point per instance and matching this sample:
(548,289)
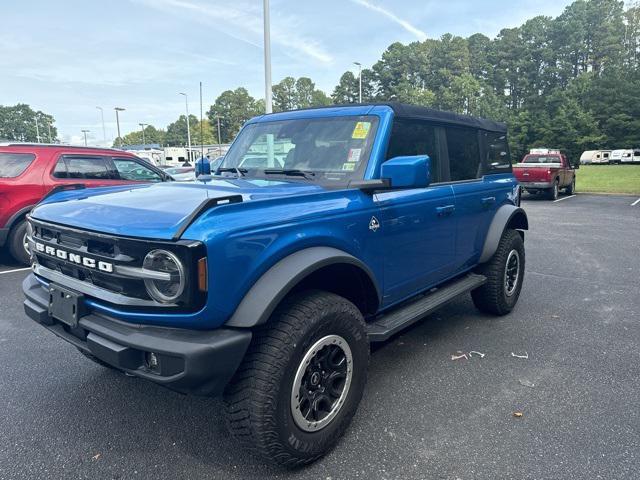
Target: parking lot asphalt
(423,415)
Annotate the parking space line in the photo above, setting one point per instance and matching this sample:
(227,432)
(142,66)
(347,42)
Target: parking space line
(564,198)
(635,203)
(15,270)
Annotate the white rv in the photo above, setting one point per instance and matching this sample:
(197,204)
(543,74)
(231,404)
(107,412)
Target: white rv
(595,156)
(636,155)
(620,156)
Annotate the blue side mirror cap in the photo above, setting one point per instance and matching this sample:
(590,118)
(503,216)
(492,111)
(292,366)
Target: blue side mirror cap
(407,171)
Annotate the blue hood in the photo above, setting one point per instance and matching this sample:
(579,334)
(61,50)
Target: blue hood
(152,210)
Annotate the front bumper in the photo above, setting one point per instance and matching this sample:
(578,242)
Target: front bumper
(534,185)
(190,361)
(4,233)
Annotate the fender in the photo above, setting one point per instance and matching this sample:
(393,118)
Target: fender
(264,296)
(506,216)
(19,214)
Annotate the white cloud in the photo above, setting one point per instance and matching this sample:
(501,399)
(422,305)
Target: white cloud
(248,21)
(419,34)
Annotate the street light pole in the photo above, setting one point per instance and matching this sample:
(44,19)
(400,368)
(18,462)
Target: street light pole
(104,131)
(360,81)
(186,104)
(37,129)
(142,125)
(85,136)
(268,98)
(118,109)
(49,128)
(219,137)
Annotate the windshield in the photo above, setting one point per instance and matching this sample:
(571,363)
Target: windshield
(541,159)
(13,164)
(333,150)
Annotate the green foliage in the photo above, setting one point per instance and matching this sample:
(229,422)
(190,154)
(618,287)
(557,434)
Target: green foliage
(18,123)
(151,135)
(291,94)
(234,107)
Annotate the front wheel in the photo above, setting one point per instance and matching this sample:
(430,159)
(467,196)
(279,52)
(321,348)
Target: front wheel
(505,273)
(301,381)
(18,245)
(572,187)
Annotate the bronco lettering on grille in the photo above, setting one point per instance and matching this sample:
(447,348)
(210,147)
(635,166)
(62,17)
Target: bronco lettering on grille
(74,258)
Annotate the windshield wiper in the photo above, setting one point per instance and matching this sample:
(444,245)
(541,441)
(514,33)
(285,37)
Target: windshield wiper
(292,172)
(238,171)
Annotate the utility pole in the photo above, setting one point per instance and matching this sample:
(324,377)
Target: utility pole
(37,129)
(360,81)
(201,126)
(85,136)
(268,98)
(104,131)
(186,104)
(142,125)
(118,109)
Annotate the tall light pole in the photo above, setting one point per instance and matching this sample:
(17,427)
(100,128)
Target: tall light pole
(49,128)
(360,80)
(104,131)
(219,137)
(142,125)
(85,136)
(118,109)
(268,97)
(186,104)
(37,129)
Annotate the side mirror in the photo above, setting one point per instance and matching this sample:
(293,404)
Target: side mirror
(407,172)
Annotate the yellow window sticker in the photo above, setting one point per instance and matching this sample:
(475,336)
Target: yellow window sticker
(349,166)
(361,130)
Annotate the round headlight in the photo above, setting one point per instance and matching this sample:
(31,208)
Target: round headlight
(164,290)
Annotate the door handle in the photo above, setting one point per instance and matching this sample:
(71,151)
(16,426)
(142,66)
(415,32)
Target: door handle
(445,210)
(487,201)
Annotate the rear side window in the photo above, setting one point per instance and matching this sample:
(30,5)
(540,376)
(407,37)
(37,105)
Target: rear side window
(14,164)
(82,167)
(498,159)
(410,138)
(464,153)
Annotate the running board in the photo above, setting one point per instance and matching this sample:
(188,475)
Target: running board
(401,317)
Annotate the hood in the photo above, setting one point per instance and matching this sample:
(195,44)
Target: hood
(153,210)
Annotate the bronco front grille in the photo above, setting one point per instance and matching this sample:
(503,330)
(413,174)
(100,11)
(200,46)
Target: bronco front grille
(94,258)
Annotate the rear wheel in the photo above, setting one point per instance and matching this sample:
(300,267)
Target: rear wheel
(553,191)
(505,273)
(301,380)
(18,245)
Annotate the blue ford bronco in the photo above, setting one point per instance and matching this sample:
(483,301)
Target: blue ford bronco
(323,230)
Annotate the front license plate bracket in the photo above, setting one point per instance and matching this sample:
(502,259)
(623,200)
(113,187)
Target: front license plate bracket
(66,305)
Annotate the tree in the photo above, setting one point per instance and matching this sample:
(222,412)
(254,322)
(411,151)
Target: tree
(18,123)
(234,107)
(348,89)
(291,94)
(151,135)
(176,134)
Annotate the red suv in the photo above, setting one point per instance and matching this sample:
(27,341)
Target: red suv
(29,171)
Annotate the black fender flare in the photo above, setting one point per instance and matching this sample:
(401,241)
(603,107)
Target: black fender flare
(267,292)
(18,215)
(506,216)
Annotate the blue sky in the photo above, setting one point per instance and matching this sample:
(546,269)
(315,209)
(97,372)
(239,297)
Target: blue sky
(70,56)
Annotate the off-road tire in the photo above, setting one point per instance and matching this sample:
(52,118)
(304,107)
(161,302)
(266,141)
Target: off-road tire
(554,191)
(572,187)
(492,297)
(258,399)
(16,243)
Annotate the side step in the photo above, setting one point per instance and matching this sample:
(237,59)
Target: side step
(401,317)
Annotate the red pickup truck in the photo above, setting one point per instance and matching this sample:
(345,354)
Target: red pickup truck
(546,172)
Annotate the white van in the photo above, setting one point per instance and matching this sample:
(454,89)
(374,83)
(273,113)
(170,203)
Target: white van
(595,156)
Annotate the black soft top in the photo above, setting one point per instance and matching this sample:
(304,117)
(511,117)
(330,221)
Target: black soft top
(414,112)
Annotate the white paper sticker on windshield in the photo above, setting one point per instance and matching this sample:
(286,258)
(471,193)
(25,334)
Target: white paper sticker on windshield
(354,155)
(349,166)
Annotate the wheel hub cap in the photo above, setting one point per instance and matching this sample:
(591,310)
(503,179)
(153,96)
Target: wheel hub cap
(511,272)
(322,383)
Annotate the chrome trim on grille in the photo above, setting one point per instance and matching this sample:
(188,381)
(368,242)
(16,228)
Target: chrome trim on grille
(143,273)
